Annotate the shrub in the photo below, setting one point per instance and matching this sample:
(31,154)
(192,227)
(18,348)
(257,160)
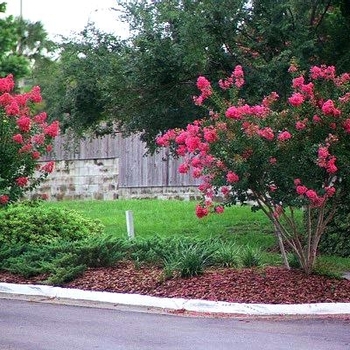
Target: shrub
(251,257)
(335,240)
(188,258)
(31,223)
(226,255)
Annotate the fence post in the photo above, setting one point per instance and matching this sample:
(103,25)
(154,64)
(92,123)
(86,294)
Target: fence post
(130,224)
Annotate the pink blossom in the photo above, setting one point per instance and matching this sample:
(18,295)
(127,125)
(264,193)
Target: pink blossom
(181,150)
(192,143)
(4,198)
(323,152)
(300,125)
(331,167)
(12,108)
(298,82)
(330,191)
(283,136)
(232,177)
(234,113)
(346,125)
(301,189)
(38,139)
(328,108)
(225,190)
(210,135)
(36,155)
(24,123)
(201,211)
(316,119)
(196,162)
(40,118)
(311,194)
(268,100)
(35,94)
(183,168)
(25,148)
(273,188)
(219,209)
(345,98)
(308,89)
(52,129)
(323,72)
(7,84)
(315,72)
(272,160)
(297,182)
(266,133)
(48,167)
(6,99)
(296,99)
(22,181)
(197,173)
(18,138)
(203,83)
(292,68)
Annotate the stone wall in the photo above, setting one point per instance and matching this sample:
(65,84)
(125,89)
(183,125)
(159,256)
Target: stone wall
(81,179)
(98,179)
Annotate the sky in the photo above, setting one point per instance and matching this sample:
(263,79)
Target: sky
(63,17)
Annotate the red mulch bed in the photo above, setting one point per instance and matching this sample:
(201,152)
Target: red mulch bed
(273,285)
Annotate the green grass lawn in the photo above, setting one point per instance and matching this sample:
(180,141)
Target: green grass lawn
(174,218)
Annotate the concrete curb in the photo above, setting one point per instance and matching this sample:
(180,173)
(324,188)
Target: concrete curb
(174,303)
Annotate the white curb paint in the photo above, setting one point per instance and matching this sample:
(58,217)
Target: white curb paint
(176,303)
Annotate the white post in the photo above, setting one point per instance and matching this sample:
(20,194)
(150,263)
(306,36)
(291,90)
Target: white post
(130,224)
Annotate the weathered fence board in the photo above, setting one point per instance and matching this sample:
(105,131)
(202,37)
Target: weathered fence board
(135,169)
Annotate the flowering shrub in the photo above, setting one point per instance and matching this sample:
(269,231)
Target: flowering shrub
(279,159)
(24,138)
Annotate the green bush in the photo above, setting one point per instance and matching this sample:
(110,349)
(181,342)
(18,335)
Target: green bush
(251,257)
(188,259)
(38,224)
(226,255)
(61,261)
(336,239)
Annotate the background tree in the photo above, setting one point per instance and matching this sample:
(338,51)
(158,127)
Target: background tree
(10,61)
(23,46)
(149,80)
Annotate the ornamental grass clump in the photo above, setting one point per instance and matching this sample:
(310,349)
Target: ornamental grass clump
(24,138)
(281,159)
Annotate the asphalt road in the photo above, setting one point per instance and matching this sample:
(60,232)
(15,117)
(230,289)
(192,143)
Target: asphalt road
(26,325)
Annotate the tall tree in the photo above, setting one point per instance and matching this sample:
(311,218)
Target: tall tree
(174,41)
(10,62)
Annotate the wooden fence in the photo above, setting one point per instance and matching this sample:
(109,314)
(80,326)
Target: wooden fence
(135,169)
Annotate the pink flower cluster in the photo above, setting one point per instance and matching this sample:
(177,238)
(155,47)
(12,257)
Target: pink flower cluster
(31,135)
(315,199)
(326,160)
(205,88)
(236,78)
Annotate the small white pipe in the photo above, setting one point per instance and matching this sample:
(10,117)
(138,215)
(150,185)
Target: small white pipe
(130,224)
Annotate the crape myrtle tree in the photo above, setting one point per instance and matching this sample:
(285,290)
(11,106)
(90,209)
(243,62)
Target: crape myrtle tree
(144,85)
(24,137)
(281,159)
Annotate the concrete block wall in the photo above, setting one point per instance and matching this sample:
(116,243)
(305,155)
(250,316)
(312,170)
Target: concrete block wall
(81,179)
(169,192)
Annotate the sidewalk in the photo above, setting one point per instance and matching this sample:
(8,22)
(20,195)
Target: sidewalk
(172,304)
